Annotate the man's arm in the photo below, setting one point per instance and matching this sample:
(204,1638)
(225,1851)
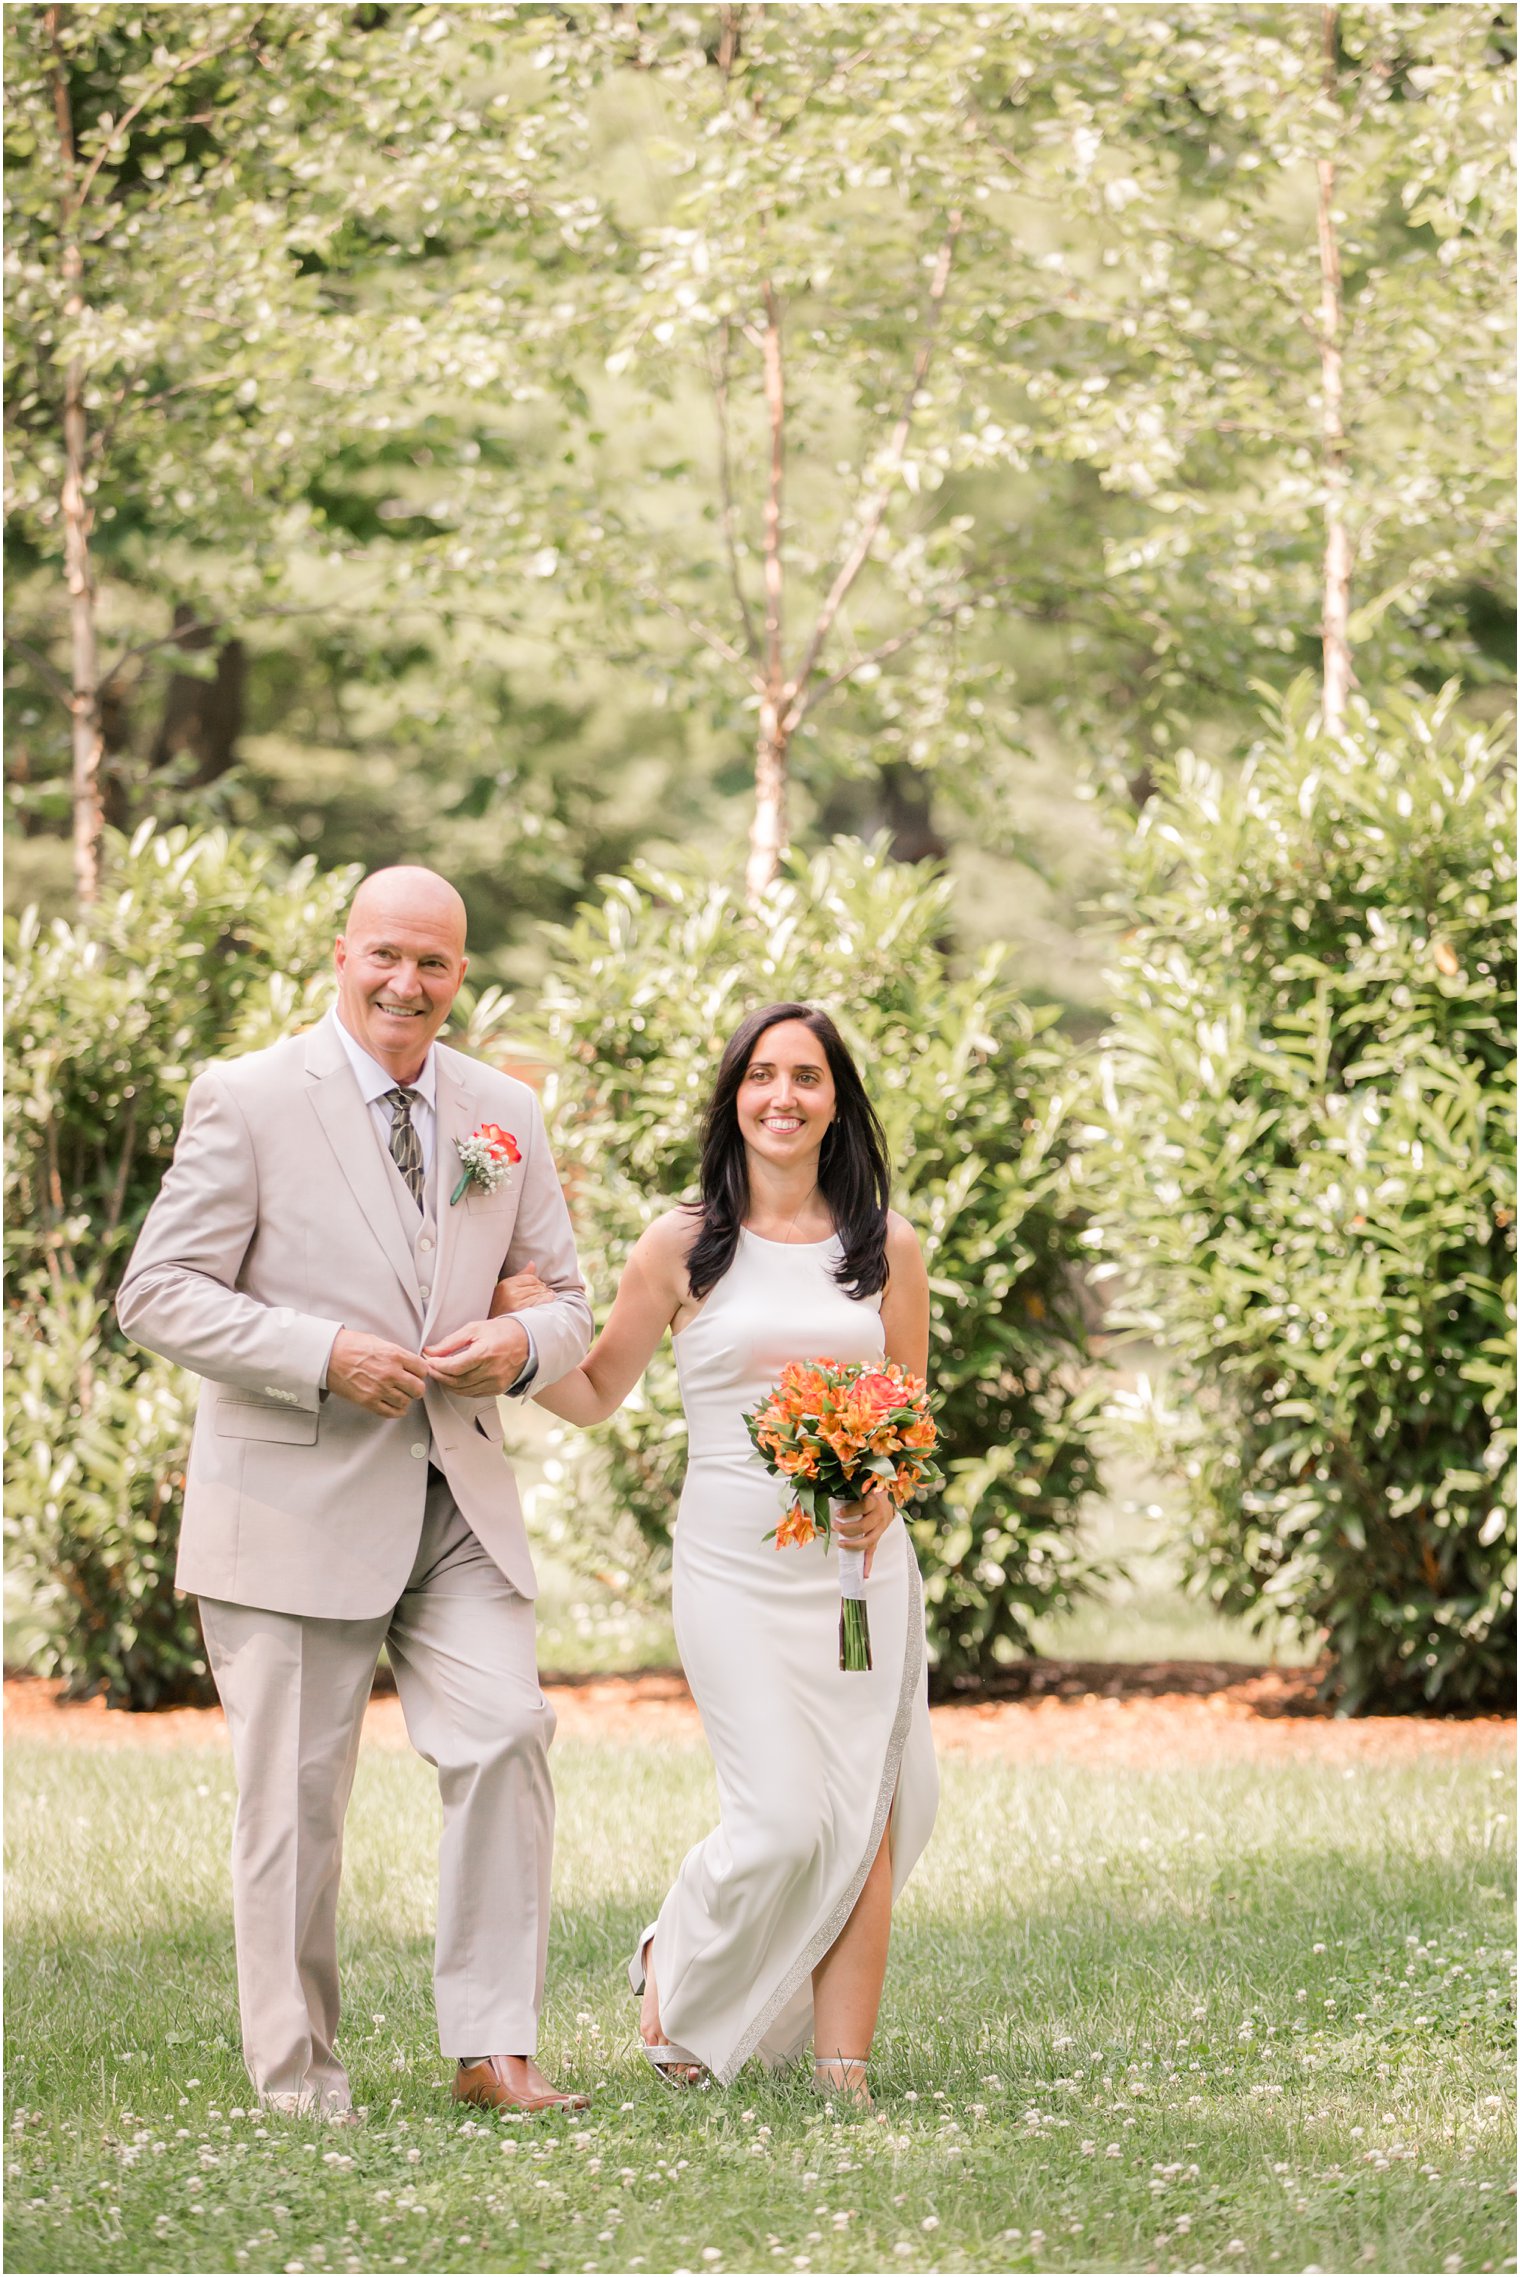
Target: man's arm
(180,1295)
(542,1235)
(491,1355)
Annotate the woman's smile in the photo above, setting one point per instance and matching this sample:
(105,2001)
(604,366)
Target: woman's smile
(787,1096)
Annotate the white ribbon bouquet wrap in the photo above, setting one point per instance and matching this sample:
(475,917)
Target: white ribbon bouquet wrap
(830,1431)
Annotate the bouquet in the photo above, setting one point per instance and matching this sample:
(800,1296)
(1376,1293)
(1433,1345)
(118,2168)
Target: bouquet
(828,1431)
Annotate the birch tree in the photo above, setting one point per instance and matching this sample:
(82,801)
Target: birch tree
(1188,338)
(141,273)
(865,383)
(810,321)
(202,202)
(1301,234)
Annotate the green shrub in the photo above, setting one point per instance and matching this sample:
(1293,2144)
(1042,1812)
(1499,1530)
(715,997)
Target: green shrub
(204,945)
(95,1448)
(1301,1167)
(644,990)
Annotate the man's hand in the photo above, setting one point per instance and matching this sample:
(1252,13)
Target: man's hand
(373,1373)
(481,1359)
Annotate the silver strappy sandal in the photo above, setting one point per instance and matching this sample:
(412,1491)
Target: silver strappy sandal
(673,2065)
(851,2088)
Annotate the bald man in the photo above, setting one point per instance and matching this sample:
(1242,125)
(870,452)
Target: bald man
(318,1256)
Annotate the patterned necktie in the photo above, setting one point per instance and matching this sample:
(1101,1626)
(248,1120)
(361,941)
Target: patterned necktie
(406,1146)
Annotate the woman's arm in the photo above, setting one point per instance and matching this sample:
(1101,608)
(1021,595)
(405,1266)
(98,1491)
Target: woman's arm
(905,1318)
(905,1305)
(650,1294)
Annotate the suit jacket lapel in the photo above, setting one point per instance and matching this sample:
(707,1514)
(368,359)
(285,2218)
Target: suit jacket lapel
(458,1116)
(346,1119)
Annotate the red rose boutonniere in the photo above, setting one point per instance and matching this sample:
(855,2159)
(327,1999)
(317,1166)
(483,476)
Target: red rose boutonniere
(488,1157)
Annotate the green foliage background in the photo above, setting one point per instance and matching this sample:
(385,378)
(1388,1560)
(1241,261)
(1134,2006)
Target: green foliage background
(400,329)
(643,992)
(423,365)
(210,944)
(1302,1171)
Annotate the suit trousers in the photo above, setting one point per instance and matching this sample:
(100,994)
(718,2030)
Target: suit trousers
(461,1642)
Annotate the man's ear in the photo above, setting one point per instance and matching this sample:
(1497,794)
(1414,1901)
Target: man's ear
(340,953)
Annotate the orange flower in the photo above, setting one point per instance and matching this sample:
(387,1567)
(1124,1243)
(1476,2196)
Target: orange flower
(801,1382)
(796,1530)
(838,1423)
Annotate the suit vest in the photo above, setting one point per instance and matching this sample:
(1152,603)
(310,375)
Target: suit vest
(419,1222)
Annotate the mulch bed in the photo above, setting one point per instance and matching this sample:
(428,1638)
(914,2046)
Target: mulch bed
(1146,1716)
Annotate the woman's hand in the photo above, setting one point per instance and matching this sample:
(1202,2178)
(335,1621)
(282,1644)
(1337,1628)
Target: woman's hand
(520,1292)
(860,1525)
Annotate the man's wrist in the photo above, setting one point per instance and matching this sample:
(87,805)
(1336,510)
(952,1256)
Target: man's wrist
(529,1368)
(326,1370)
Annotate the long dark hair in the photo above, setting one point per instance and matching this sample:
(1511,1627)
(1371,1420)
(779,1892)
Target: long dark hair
(853,1171)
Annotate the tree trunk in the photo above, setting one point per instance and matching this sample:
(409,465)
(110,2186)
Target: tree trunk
(115,764)
(1335,620)
(84,663)
(906,808)
(767,837)
(84,659)
(768,830)
(202,717)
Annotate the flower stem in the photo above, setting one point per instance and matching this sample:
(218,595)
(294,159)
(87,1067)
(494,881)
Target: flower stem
(854,1636)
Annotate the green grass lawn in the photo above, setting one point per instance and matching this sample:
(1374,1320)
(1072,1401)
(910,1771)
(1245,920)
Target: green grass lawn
(1243,2018)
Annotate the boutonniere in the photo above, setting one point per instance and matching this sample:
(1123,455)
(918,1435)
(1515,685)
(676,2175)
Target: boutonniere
(489,1156)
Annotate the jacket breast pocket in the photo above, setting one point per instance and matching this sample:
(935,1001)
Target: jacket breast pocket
(261,1419)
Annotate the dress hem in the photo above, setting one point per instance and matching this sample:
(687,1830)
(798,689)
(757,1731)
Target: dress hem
(824,1937)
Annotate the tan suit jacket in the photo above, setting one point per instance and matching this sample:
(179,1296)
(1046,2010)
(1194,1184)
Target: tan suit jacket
(276,1226)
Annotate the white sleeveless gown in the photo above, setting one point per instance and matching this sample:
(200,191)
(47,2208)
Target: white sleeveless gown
(810,1761)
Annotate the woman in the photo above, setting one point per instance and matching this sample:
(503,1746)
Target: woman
(777,1923)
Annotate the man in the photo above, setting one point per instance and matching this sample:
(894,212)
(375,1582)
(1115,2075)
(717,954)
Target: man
(311,1256)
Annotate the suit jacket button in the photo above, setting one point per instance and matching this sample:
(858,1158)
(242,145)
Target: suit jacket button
(420,1448)
(425,1242)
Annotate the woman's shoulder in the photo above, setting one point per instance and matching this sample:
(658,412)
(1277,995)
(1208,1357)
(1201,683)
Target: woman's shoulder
(662,1250)
(902,1241)
(905,1257)
(668,1239)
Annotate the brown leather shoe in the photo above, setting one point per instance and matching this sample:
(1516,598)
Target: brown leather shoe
(490,2082)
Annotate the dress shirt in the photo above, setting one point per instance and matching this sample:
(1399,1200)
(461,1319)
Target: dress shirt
(374,1081)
